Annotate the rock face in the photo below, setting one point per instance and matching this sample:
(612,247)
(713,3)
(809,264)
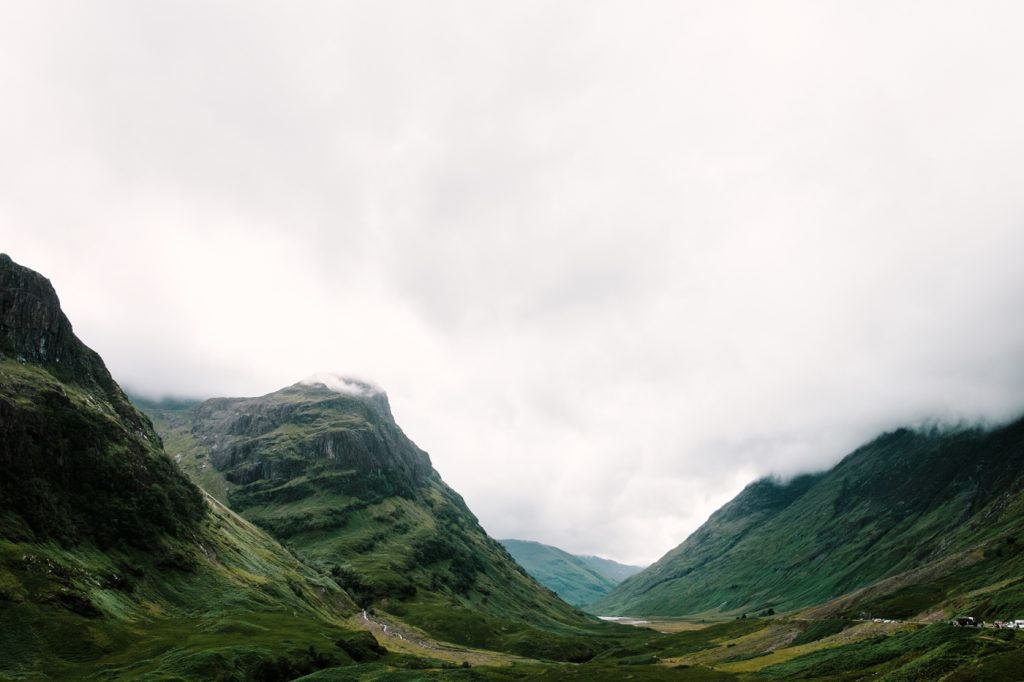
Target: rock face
(305,428)
(32,326)
(77,460)
(34,330)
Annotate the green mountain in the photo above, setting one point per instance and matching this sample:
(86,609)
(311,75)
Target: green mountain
(112,563)
(915,524)
(67,431)
(566,574)
(324,468)
(576,579)
(612,570)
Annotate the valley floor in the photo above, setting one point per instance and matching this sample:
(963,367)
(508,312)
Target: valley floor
(762,650)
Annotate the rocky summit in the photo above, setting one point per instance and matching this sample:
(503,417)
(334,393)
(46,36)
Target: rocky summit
(35,331)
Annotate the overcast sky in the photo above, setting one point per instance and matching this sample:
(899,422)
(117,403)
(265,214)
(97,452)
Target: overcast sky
(611,261)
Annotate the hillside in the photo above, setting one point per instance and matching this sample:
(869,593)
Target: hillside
(576,579)
(938,513)
(114,566)
(111,561)
(324,468)
(610,569)
(567,575)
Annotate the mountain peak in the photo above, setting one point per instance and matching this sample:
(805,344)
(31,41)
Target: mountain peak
(78,460)
(32,326)
(340,383)
(366,392)
(34,330)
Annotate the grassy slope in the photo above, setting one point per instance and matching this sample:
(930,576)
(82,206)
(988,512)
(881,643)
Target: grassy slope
(216,605)
(903,501)
(847,650)
(91,582)
(568,575)
(340,484)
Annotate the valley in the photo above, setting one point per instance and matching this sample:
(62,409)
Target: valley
(579,580)
(302,535)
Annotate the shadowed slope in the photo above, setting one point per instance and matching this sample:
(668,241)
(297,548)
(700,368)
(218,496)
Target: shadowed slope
(111,560)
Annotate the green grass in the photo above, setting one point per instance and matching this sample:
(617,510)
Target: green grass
(899,503)
(923,654)
(226,599)
(821,629)
(525,673)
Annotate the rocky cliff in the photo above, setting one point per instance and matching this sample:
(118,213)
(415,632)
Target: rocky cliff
(77,460)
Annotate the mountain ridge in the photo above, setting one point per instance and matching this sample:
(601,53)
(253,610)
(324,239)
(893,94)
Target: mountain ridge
(902,500)
(566,574)
(579,580)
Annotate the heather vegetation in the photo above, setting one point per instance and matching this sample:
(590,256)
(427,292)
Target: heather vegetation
(70,471)
(301,535)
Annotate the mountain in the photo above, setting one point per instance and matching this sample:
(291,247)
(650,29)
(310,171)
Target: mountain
(113,565)
(112,562)
(612,570)
(915,524)
(578,580)
(324,468)
(67,431)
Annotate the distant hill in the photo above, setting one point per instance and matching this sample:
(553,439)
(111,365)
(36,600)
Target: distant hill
(322,466)
(915,524)
(612,570)
(579,580)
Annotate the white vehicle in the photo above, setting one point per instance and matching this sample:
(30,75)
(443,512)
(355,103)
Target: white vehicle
(1018,624)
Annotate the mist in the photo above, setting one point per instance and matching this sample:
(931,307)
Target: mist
(610,262)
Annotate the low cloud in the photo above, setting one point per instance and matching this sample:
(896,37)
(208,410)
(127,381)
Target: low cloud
(610,261)
(339,383)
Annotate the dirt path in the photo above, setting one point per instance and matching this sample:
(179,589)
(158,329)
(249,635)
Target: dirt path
(403,638)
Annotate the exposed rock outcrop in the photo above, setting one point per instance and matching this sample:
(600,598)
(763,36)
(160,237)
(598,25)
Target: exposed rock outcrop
(77,460)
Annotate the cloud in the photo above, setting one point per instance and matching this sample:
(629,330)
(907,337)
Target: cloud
(609,261)
(342,384)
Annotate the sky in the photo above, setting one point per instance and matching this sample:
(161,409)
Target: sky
(611,261)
